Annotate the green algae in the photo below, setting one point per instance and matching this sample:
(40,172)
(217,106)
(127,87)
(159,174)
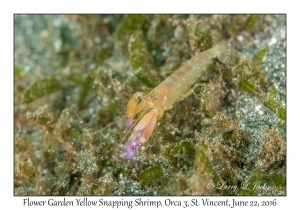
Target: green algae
(66,45)
(206,174)
(259,57)
(272,93)
(18,72)
(275,106)
(140,59)
(151,174)
(93,188)
(206,164)
(200,39)
(259,179)
(184,150)
(77,79)
(41,88)
(85,87)
(128,25)
(44,118)
(251,21)
(239,24)
(248,87)
(25,169)
(246,75)
(207,40)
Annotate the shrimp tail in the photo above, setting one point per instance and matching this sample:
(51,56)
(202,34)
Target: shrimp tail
(139,135)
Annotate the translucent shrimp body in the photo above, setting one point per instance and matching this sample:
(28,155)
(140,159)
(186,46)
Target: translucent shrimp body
(162,97)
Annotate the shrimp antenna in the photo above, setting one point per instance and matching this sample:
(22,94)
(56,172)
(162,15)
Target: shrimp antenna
(110,124)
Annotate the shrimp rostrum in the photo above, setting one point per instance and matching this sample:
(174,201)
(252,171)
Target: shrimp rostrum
(173,89)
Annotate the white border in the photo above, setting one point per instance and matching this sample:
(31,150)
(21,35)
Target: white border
(237,6)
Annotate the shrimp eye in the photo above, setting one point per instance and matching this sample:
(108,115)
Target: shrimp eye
(139,99)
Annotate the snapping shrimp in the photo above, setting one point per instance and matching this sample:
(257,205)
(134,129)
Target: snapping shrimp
(173,89)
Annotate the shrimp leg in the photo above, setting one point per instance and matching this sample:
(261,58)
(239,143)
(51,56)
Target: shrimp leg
(192,90)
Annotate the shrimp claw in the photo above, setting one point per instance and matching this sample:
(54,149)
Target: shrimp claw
(139,135)
(132,109)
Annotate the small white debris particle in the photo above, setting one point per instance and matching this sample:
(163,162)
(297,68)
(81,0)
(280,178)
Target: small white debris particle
(240,38)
